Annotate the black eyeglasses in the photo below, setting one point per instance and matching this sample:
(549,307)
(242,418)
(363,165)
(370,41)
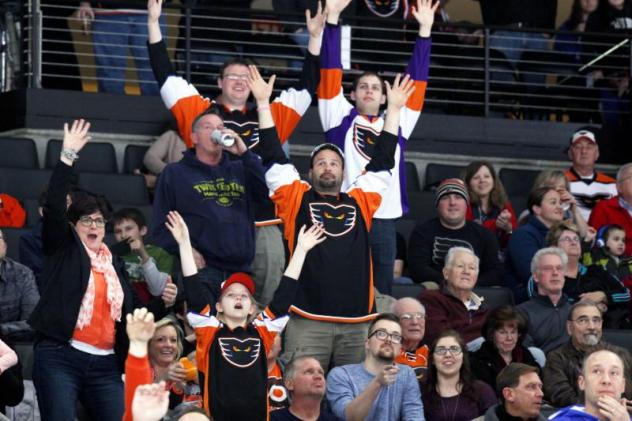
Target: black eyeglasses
(87,222)
(382,335)
(443,350)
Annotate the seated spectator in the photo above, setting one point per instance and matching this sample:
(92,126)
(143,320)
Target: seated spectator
(431,240)
(557,180)
(616,210)
(168,364)
(489,204)
(148,266)
(376,389)
(602,381)
(568,41)
(504,331)
(18,296)
(563,364)
(609,253)
(520,390)
(304,378)
(11,383)
(590,283)
(412,318)
(166,149)
(248,338)
(79,320)
(587,185)
(545,209)
(12,214)
(455,306)
(546,312)
(451,392)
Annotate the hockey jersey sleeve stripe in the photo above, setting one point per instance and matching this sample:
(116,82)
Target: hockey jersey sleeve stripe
(287,110)
(335,319)
(286,197)
(367,200)
(416,100)
(330,83)
(419,64)
(185,104)
(330,50)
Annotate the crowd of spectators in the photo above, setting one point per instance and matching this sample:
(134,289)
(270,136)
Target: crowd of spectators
(202,314)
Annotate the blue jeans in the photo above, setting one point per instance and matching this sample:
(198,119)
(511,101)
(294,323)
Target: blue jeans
(382,239)
(63,374)
(111,37)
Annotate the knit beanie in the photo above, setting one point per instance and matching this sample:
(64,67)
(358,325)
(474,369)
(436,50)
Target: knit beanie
(451,186)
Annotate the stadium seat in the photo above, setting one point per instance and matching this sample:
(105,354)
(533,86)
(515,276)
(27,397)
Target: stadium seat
(517,182)
(405,227)
(435,173)
(117,188)
(23,183)
(12,238)
(301,162)
(18,152)
(133,158)
(412,177)
(421,206)
(619,337)
(400,291)
(30,205)
(94,157)
(25,355)
(495,296)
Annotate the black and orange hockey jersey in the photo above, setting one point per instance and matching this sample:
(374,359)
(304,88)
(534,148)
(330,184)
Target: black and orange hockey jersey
(336,282)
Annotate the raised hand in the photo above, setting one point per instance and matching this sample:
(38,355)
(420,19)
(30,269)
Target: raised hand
(316,23)
(154,10)
(140,325)
(261,90)
(76,136)
(387,375)
(334,8)
(178,228)
(150,403)
(424,13)
(398,94)
(308,238)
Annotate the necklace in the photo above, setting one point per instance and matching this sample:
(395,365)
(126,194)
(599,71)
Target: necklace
(456,406)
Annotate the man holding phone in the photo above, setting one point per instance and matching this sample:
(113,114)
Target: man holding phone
(377,389)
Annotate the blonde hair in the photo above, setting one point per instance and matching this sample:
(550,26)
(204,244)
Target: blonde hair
(170,321)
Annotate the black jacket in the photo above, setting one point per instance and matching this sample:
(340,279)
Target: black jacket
(486,362)
(66,273)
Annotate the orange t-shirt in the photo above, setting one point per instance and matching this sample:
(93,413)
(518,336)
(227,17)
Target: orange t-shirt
(100,332)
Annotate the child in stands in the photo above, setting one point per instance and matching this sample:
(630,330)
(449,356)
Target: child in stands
(232,347)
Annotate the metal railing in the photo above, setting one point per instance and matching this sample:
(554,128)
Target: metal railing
(470,69)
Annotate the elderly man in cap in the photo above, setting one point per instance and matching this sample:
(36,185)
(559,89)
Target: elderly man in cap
(587,185)
(431,240)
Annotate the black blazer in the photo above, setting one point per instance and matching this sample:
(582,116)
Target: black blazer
(66,273)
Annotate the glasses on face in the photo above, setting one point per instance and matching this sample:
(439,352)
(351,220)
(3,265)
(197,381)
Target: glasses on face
(87,222)
(569,239)
(409,317)
(443,350)
(382,335)
(585,320)
(234,77)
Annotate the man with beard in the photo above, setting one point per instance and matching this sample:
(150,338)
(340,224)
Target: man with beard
(564,363)
(377,389)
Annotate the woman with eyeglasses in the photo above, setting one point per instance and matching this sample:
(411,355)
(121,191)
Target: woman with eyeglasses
(451,393)
(79,321)
(588,282)
(503,331)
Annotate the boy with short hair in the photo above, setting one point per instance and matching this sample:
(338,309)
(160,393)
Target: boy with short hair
(232,347)
(148,266)
(609,253)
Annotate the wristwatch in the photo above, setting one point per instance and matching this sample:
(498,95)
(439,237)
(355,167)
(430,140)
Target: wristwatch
(70,154)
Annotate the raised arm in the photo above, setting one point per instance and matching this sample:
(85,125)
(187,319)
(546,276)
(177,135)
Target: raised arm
(55,229)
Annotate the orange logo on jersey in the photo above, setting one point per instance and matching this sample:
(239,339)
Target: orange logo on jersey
(364,140)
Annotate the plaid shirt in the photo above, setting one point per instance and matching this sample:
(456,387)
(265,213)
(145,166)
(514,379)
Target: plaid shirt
(18,297)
